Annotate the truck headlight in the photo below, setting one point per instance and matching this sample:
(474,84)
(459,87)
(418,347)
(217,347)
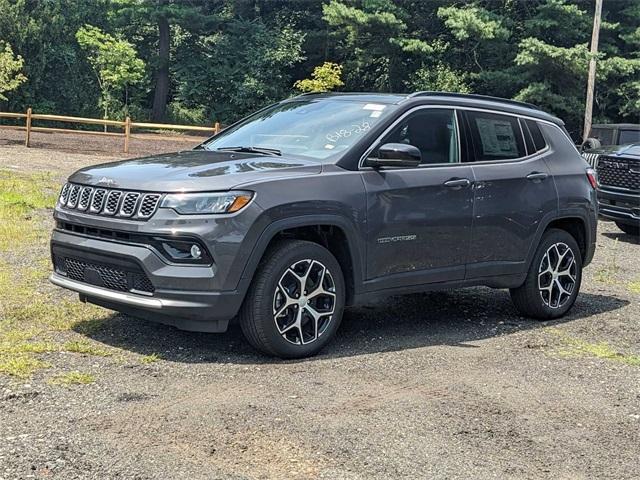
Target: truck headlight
(206,203)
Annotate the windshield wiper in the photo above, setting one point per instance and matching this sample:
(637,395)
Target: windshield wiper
(262,150)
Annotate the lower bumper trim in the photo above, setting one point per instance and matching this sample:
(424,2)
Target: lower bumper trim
(121,297)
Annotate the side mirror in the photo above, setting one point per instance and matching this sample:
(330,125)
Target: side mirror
(396,155)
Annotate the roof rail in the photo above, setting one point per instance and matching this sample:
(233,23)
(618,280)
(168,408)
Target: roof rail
(427,93)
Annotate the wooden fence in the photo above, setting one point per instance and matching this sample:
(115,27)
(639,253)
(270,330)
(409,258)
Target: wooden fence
(127,126)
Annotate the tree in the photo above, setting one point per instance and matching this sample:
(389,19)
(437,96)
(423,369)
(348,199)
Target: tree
(164,16)
(114,62)
(325,77)
(11,76)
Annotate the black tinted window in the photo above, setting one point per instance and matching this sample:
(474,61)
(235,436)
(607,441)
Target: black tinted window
(495,137)
(629,136)
(604,135)
(528,139)
(536,134)
(432,131)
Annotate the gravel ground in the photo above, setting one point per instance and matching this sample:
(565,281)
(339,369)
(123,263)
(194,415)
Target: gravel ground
(440,385)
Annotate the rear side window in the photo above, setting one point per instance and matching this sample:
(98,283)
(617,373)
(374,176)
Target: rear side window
(629,136)
(604,135)
(538,140)
(495,137)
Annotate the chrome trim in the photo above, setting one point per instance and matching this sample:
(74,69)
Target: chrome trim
(104,293)
(458,108)
(121,212)
(82,206)
(120,297)
(155,207)
(606,210)
(101,206)
(74,192)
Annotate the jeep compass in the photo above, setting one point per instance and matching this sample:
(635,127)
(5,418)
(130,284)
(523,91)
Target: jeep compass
(325,200)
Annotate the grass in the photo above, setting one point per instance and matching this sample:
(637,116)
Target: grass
(31,311)
(73,378)
(86,348)
(634,287)
(576,347)
(21,366)
(151,358)
(608,273)
(21,196)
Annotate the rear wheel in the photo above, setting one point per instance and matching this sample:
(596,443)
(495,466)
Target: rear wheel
(630,229)
(553,281)
(295,302)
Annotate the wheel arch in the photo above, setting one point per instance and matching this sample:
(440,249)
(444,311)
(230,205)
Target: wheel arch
(334,232)
(577,224)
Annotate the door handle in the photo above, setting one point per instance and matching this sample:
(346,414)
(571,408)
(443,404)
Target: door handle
(457,183)
(537,176)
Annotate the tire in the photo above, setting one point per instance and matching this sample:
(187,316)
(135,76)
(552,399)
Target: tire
(633,230)
(556,293)
(270,316)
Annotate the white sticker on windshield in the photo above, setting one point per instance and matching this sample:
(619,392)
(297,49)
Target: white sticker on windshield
(374,106)
(329,146)
(375,114)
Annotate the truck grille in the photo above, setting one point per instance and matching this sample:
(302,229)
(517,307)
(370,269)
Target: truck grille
(103,275)
(619,172)
(104,201)
(591,158)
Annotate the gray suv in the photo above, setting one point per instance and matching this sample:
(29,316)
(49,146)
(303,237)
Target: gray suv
(325,200)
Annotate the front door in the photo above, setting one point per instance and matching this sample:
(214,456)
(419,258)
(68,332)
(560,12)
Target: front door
(419,219)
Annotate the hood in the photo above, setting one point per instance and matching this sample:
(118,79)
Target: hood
(630,150)
(192,171)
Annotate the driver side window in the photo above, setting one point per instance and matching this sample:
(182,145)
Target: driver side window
(433,131)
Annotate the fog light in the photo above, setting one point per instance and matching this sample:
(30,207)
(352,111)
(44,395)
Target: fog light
(196,252)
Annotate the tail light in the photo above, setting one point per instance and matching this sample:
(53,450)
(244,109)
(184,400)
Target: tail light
(593,177)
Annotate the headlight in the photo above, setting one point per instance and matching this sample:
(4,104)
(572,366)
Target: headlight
(203,203)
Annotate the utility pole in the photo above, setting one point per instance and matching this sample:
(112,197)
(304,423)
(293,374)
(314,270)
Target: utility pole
(591,81)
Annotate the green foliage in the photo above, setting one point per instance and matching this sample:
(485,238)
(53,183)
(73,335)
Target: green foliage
(10,70)
(225,59)
(114,62)
(440,78)
(324,78)
(472,22)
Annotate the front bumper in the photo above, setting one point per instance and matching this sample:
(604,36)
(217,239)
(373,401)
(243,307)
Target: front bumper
(182,295)
(619,206)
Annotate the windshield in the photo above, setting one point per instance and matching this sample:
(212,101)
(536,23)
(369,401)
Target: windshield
(317,129)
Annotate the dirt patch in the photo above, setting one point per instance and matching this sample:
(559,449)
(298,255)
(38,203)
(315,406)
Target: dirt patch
(439,385)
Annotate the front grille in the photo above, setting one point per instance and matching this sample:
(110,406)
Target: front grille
(103,275)
(113,200)
(148,205)
(591,158)
(85,197)
(72,202)
(103,201)
(619,172)
(129,204)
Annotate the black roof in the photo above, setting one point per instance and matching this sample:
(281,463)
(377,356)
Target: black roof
(457,99)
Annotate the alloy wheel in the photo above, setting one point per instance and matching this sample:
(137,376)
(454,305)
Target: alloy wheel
(557,275)
(304,302)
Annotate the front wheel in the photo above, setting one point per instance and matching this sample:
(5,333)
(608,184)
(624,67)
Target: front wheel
(553,281)
(295,302)
(629,229)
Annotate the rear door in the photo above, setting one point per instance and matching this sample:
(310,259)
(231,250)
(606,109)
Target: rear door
(513,191)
